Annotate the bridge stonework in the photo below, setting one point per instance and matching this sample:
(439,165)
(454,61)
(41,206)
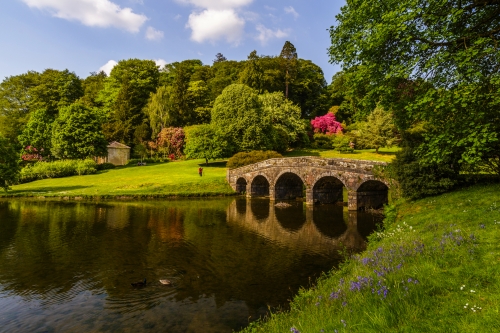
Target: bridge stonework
(322,178)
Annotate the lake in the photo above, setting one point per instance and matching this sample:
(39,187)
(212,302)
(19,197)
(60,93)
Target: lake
(67,266)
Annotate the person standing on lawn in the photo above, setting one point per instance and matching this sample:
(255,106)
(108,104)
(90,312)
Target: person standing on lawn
(200,171)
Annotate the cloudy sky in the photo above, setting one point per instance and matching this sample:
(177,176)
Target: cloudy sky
(87,35)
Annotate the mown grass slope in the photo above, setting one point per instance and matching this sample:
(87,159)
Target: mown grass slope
(166,179)
(384,155)
(435,268)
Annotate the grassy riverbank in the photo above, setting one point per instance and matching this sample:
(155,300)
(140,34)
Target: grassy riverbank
(155,180)
(434,268)
(171,179)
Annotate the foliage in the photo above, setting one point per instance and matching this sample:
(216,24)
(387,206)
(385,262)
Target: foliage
(239,119)
(202,142)
(246,158)
(126,91)
(38,132)
(326,124)
(9,164)
(322,141)
(378,130)
(57,169)
(437,64)
(342,143)
(285,116)
(160,109)
(77,134)
(105,166)
(171,141)
(288,57)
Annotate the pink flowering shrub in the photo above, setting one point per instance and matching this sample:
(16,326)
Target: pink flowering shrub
(326,124)
(171,141)
(31,154)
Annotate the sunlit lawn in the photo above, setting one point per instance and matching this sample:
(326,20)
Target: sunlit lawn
(384,155)
(174,178)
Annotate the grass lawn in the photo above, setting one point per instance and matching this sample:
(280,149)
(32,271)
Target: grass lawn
(435,268)
(161,180)
(384,155)
(167,179)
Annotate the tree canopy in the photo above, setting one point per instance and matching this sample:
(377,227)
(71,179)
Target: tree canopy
(9,164)
(431,62)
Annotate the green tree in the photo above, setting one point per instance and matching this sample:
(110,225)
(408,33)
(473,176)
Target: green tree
(203,142)
(55,89)
(285,116)
(433,62)
(9,164)
(77,134)
(160,110)
(253,73)
(239,119)
(288,58)
(15,100)
(378,130)
(92,86)
(38,132)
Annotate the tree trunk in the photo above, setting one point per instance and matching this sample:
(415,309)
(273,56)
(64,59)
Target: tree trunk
(206,161)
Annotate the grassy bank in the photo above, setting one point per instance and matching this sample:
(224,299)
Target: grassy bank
(156,180)
(160,180)
(435,268)
(384,155)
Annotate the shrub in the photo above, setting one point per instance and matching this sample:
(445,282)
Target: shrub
(105,166)
(326,124)
(57,169)
(134,161)
(246,158)
(322,141)
(342,143)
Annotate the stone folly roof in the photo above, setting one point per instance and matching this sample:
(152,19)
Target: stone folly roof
(115,144)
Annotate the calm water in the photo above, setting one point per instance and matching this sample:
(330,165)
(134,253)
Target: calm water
(67,266)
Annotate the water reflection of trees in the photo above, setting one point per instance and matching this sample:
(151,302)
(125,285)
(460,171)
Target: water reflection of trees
(224,250)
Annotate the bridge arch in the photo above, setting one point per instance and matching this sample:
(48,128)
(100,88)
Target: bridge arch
(289,185)
(327,189)
(259,186)
(241,185)
(372,194)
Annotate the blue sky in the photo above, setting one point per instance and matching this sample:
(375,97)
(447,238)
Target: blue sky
(87,35)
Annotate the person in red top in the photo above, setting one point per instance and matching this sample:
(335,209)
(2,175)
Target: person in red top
(200,171)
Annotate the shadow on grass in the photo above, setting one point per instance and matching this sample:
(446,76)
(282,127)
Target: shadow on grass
(218,164)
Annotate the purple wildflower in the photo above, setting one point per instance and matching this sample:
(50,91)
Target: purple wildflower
(344,303)
(294,330)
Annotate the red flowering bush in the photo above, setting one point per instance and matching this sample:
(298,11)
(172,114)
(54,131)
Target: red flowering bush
(326,124)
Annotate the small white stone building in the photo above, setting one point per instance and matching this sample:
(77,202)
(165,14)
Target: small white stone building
(118,153)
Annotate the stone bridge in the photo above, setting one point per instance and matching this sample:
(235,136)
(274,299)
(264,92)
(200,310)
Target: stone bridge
(318,180)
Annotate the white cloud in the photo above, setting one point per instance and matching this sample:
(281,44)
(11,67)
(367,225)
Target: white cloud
(212,25)
(292,11)
(265,34)
(153,34)
(160,63)
(218,4)
(108,66)
(177,17)
(94,13)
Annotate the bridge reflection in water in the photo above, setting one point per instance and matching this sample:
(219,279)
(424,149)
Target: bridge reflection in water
(324,229)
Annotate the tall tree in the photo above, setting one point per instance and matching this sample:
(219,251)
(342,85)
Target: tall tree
(253,74)
(38,132)
(219,57)
(239,119)
(288,57)
(15,100)
(9,164)
(436,62)
(203,142)
(378,130)
(160,110)
(92,86)
(77,133)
